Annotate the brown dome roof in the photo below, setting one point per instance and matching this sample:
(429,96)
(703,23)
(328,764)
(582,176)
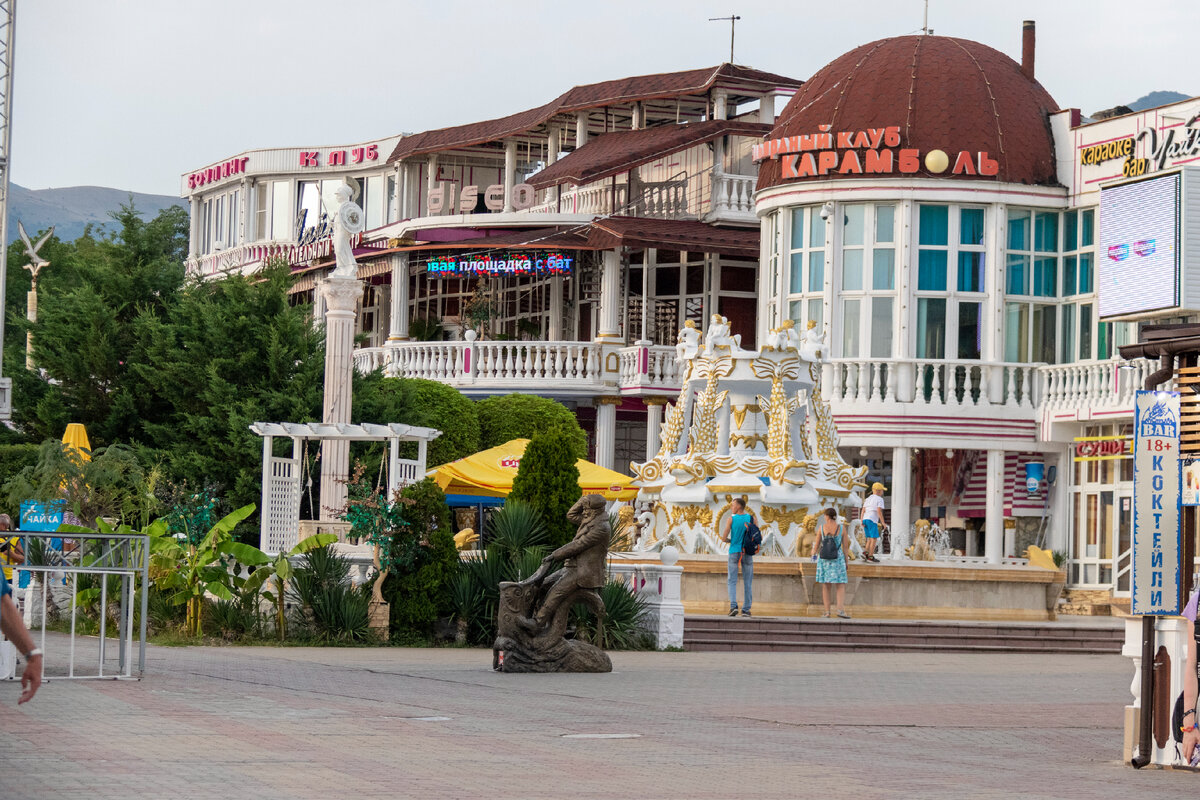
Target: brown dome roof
(943,93)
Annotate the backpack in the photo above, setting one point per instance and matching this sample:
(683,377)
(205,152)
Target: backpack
(829,547)
(751,539)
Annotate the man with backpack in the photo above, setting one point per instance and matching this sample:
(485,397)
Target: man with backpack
(740,531)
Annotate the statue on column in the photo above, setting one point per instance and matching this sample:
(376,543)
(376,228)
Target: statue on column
(533,613)
(347,221)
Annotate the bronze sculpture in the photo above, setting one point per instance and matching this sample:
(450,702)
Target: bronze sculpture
(532,618)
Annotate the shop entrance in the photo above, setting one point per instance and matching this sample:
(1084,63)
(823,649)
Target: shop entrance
(1102,514)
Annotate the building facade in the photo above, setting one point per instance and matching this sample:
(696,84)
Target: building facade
(921,200)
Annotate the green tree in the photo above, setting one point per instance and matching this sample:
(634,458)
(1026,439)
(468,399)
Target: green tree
(84,339)
(415,401)
(226,353)
(548,480)
(520,416)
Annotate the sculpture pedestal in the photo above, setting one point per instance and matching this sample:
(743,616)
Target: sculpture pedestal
(380,618)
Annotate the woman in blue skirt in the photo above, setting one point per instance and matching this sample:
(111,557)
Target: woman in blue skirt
(832,569)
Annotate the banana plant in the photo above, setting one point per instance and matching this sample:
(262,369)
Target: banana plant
(281,570)
(192,571)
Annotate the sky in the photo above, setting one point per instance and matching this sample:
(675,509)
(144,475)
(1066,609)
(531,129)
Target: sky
(131,94)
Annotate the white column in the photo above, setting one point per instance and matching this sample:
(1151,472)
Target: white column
(398,329)
(638,117)
(610,296)
(244,213)
(553,145)
(510,169)
(906,305)
(654,418)
(431,180)
(194,228)
(396,200)
(581,129)
(766,109)
(341,296)
(649,261)
(901,498)
(555,334)
(993,545)
(606,431)
(720,104)
(993,304)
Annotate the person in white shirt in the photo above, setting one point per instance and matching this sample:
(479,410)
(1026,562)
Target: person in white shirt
(872,519)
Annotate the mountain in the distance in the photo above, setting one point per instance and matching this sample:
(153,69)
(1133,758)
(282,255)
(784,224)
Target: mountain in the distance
(72,208)
(1155,99)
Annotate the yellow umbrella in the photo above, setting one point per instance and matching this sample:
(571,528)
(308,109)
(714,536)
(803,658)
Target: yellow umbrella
(490,473)
(76,438)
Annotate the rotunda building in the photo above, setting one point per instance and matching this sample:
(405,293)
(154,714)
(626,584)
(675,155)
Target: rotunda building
(912,212)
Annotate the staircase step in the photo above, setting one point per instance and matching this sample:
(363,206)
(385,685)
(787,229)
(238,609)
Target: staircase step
(824,635)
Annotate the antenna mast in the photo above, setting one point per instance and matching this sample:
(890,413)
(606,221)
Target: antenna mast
(925,28)
(8,16)
(733,18)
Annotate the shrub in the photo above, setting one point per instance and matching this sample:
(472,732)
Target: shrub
(415,401)
(548,480)
(330,608)
(520,416)
(623,615)
(421,593)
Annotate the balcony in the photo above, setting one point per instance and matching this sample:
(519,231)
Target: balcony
(934,383)
(731,200)
(562,368)
(1094,389)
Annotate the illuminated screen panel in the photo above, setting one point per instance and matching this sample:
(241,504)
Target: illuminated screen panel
(1139,247)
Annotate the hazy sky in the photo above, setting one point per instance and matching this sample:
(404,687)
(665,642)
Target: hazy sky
(132,93)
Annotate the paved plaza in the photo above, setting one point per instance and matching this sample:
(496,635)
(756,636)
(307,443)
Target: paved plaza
(266,722)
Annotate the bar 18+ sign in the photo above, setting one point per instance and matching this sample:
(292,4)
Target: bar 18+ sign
(1156,503)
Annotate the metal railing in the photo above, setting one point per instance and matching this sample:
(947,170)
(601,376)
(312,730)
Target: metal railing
(69,558)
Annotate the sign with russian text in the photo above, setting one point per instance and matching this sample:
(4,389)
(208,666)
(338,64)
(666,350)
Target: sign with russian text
(872,151)
(37,516)
(1102,448)
(536,263)
(1156,503)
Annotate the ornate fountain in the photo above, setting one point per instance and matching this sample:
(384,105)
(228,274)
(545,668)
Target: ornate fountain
(745,423)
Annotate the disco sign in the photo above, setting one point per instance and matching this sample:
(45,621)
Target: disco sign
(1139,247)
(535,263)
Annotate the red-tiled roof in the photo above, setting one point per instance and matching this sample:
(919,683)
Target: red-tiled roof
(605,233)
(943,93)
(594,95)
(613,153)
(673,235)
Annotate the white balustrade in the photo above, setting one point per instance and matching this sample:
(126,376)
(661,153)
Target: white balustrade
(1090,384)
(662,371)
(733,194)
(932,382)
(526,364)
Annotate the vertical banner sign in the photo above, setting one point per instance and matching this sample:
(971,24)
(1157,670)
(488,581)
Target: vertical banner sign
(1156,493)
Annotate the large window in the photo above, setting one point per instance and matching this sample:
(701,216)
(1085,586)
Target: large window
(1031,325)
(951,281)
(868,280)
(806,267)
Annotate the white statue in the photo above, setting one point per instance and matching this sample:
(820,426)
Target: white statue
(688,342)
(718,336)
(36,262)
(785,337)
(347,221)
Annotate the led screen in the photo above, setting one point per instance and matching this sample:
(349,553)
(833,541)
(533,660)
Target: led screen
(1139,247)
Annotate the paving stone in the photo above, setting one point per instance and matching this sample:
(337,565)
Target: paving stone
(271,722)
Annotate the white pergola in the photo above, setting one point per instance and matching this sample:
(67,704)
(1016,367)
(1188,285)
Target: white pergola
(280,526)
